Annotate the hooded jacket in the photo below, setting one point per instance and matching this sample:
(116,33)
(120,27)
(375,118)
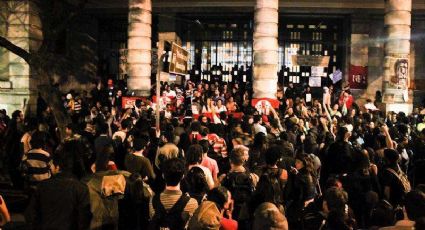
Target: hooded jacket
(207,216)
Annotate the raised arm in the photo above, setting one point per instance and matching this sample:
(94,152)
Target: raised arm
(388,139)
(4,213)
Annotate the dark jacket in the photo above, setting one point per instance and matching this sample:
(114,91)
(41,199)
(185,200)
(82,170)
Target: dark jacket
(61,202)
(339,158)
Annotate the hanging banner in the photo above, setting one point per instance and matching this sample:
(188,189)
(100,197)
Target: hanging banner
(399,69)
(309,60)
(358,77)
(359,59)
(179,60)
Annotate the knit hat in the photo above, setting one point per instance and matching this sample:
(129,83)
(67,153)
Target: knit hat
(206,217)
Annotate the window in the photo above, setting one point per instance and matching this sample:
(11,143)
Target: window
(220,42)
(304,36)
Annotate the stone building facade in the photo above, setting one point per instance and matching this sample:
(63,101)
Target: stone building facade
(371,33)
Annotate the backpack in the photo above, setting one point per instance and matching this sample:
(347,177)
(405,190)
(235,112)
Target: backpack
(168,219)
(401,176)
(139,191)
(240,185)
(272,180)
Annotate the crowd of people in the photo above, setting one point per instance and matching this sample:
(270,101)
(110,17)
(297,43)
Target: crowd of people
(216,161)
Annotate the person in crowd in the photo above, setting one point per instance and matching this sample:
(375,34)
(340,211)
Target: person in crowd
(257,152)
(122,133)
(231,105)
(4,213)
(258,127)
(267,216)
(300,188)
(194,159)
(211,214)
(103,138)
(195,183)
(220,107)
(172,209)
(239,181)
(394,181)
(61,202)
(12,147)
(136,162)
(418,158)
(339,155)
(106,187)
(413,212)
(208,162)
(305,145)
(31,125)
(36,163)
(338,213)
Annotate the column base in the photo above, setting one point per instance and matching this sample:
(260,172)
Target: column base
(15,99)
(407,108)
(141,93)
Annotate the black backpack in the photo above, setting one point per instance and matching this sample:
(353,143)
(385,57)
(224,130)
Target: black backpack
(240,185)
(272,180)
(171,219)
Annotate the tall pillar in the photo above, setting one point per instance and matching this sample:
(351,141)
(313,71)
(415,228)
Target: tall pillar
(139,46)
(265,48)
(397,53)
(21,25)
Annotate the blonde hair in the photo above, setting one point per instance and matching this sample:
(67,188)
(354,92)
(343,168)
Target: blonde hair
(167,151)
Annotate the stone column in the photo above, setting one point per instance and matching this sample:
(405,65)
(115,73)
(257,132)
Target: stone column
(397,52)
(20,24)
(265,48)
(139,46)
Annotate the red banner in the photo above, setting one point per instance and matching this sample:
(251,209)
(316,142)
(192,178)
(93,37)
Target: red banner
(129,102)
(358,77)
(263,105)
(264,102)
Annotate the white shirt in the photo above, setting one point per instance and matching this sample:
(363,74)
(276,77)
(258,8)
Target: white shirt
(172,93)
(168,114)
(370,106)
(208,175)
(120,134)
(259,128)
(221,109)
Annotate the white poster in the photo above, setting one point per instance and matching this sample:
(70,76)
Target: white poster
(317,71)
(308,97)
(315,81)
